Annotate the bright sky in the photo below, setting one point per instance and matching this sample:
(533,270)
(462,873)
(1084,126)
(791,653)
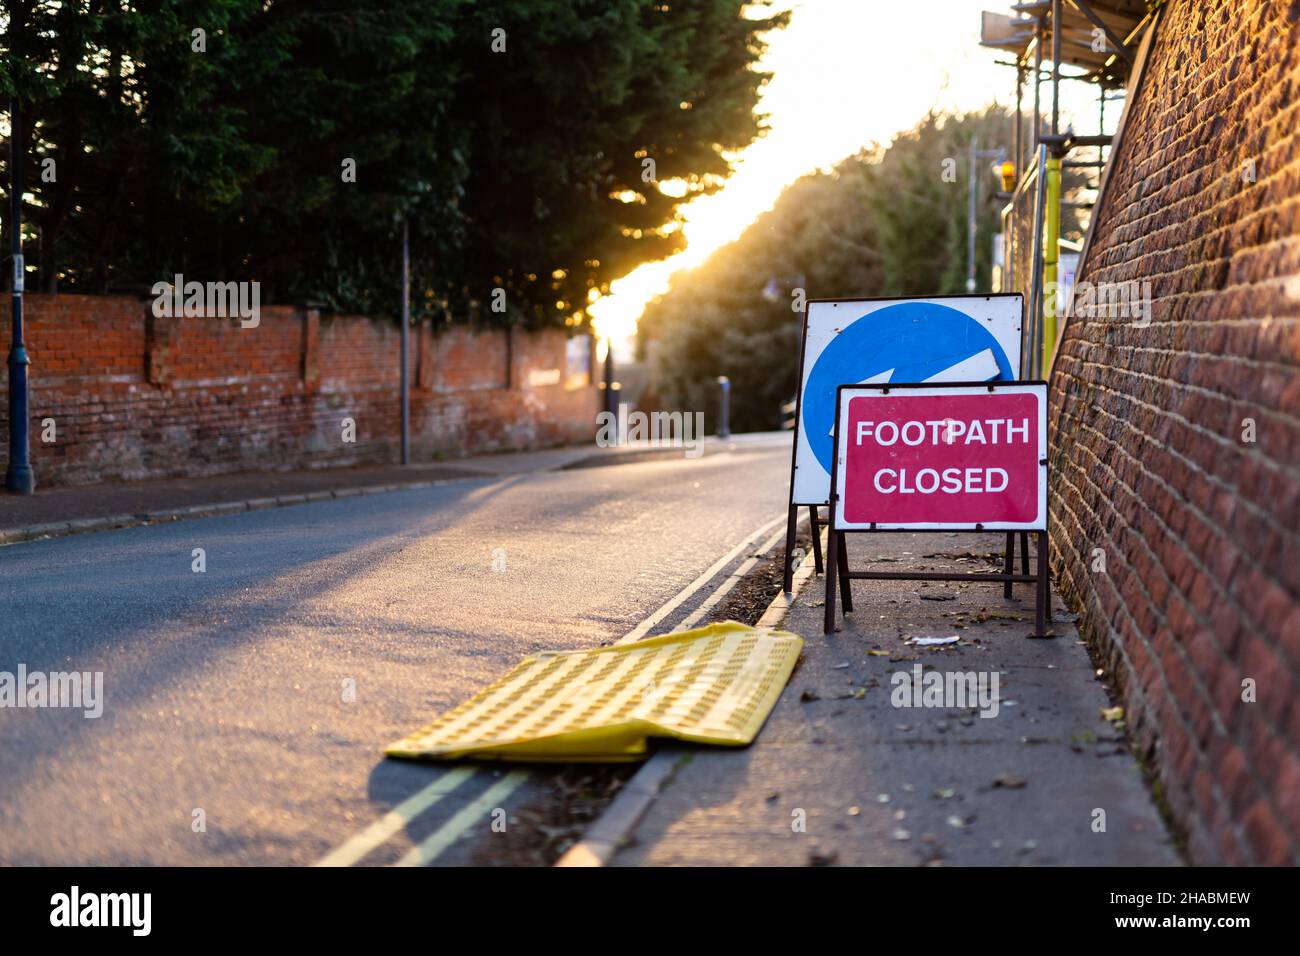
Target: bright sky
(846,73)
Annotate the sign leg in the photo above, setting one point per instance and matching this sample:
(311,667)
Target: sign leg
(815,527)
(1008,561)
(1047,576)
(787,577)
(1024,552)
(1043,595)
(832,548)
(846,594)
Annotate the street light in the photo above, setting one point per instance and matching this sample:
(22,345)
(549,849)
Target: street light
(405,313)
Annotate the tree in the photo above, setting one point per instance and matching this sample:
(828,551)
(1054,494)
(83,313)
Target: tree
(885,222)
(574,117)
(737,314)
(511,133)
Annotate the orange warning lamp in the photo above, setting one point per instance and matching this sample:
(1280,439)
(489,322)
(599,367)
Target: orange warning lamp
(1007,170)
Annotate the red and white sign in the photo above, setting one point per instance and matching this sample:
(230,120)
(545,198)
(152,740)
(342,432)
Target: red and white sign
(941,456)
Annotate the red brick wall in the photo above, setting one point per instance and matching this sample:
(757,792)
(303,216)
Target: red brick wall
(1199,529)
(134,396)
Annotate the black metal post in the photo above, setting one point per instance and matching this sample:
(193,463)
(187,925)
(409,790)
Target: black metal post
(832,560)
(815,530)
(787,573)
(1008,561)
(724,407)
(1056,67)
(1101,130)
(846,592)
(19,476)
(972,212)
(1043,590)
(609,379)
(1019,133)
(1038,75)
(406,342)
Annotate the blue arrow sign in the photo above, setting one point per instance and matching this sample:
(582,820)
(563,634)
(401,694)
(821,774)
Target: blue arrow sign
(907,342)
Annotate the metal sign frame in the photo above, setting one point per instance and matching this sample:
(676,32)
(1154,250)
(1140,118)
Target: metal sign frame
(792,517)
(837,554)
(934,390)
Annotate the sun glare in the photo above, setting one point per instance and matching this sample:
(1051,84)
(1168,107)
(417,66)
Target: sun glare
(846,74)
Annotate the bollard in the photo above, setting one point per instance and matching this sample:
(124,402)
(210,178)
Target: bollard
(724,407)
(611,399)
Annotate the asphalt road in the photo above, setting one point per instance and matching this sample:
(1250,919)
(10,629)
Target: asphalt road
(225,691)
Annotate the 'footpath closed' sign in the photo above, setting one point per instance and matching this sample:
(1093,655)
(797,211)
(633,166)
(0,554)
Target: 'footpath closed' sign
(939,456)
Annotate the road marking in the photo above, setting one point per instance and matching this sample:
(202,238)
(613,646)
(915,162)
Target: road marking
(465,817)
(396,818)
(642,629)
(725,588)
(603,839)
(775,614)
(361,844)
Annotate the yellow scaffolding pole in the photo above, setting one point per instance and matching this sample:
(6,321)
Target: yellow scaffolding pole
(1051,258)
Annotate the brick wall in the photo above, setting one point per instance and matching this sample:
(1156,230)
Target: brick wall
(135,396)
(1199,529)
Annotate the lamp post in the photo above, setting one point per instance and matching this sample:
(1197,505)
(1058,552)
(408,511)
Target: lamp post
(406,341)
(19,476)
(972,209)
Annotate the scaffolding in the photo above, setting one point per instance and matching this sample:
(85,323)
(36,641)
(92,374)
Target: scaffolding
(1086,41)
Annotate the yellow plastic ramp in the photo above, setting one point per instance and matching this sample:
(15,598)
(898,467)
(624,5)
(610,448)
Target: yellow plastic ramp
(711,685)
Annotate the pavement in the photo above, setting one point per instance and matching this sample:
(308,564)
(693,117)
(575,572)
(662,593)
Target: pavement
(247,705)
(100,507)
(840,775)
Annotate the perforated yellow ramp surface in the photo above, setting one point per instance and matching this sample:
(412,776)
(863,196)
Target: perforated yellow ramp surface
(712,685)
